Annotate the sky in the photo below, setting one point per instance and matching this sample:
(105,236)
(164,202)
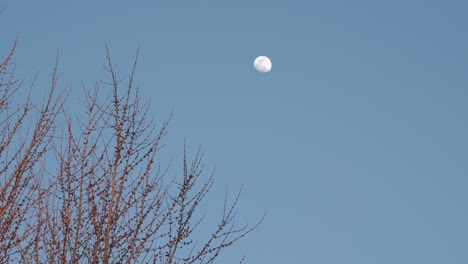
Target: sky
(355,143)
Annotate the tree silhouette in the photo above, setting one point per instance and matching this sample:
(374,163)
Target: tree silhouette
(106,198)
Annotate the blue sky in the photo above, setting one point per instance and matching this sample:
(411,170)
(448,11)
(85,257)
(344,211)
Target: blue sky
(355,143)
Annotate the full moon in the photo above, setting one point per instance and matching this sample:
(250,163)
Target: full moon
(262,64)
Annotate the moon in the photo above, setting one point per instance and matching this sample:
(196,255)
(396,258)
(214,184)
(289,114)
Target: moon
(262,64)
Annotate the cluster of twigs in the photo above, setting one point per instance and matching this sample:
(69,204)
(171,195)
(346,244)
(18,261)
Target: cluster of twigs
(89,188)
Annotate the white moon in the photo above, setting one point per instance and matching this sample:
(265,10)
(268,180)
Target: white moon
(262,64)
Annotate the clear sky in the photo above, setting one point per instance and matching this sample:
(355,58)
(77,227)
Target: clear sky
(356,142)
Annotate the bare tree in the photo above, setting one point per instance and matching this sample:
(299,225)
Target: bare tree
(22,149)
(108,198)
